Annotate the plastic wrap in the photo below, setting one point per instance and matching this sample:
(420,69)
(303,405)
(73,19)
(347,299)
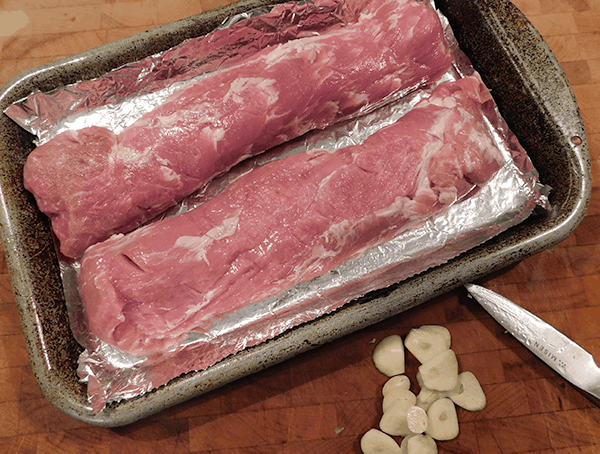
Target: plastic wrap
(509,198)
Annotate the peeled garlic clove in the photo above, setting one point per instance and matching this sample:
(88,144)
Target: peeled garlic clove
(440,373)
(420,380)
(398,395)
(417,420)
(426,397)
(427,341)
(393,422)
(418,444)
(398,381)
(442,420)
(388,356)
(375,441)
(468,393)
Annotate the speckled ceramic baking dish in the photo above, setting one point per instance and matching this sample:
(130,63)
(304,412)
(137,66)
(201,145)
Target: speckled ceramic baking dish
(530,89)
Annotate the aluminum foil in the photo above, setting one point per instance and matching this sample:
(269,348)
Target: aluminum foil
(119,97)
(509,198)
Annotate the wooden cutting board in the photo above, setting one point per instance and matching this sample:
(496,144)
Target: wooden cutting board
(323,401)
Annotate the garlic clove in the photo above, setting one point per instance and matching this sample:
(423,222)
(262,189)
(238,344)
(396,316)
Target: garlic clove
(418,444)
(420,380)
(428,396)
(468,393)
(397,381)
(442,420)
(394,422)
(374,441)
(417,420)
(440,373)
(388,356)
(427,341)
(398,395)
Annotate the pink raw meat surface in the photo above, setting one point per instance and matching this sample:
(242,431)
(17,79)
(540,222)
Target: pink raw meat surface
(287,222)
(93,183)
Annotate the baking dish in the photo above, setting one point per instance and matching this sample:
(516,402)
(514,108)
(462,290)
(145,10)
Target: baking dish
(529,87)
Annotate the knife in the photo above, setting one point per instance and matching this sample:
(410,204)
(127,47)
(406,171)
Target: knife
(562,354)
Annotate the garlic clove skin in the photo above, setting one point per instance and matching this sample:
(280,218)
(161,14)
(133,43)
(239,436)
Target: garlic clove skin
(468,393)
(427,341)
(440,373)
(376,442)
(388,356)
(396,382)
(418,444)
(442,420)
(398,395)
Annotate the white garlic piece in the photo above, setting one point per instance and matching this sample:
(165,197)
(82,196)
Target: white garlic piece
(394,420)
(440,373)
(442,420)
(375,441)
(427,341)
(428,396)
(398,395)
(468,393)
(418,444)
(397,381)
(388,356)
(417,420)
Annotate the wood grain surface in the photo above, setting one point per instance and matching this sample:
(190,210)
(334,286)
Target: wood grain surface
(323,401)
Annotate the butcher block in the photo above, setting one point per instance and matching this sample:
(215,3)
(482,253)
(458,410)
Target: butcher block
(315,389)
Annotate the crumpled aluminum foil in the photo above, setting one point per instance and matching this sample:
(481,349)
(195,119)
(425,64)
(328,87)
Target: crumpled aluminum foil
(508,199)
(119,97)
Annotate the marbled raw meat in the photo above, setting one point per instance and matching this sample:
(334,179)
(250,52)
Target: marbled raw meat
(93,183)
(287,222)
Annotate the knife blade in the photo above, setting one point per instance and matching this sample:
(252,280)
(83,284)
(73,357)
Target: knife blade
(559,352)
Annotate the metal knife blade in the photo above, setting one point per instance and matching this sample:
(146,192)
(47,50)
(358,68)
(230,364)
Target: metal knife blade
(559,352)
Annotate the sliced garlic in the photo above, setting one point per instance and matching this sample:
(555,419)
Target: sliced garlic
(427,341)
(388,356)
(440,373)
(443,421)
(375,441)
(398,381)
(417,420)
(398,395)
(418,444)
(468,393)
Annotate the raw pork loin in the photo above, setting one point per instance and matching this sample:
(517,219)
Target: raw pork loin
(287,222)
(93,183)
